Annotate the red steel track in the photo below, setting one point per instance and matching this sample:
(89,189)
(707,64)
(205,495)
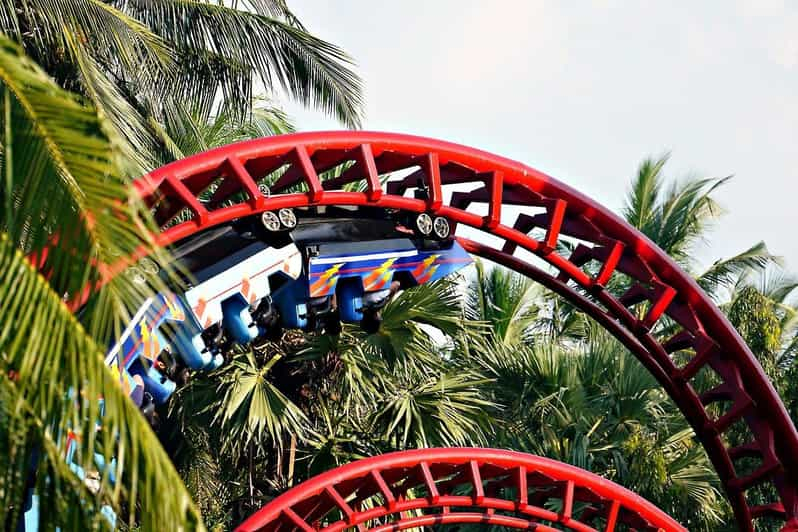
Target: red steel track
(605,249)
(428,487)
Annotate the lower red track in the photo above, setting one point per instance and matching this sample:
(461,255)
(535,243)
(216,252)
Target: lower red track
(604,249)
(429,487)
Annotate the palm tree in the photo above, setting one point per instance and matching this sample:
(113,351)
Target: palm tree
(507,302)
(677,218)
(289,409)
(144,63)
(64,191)
(750,287)
(592,404)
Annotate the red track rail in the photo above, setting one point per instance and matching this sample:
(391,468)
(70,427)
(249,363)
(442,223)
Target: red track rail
(428,487)
(606,249)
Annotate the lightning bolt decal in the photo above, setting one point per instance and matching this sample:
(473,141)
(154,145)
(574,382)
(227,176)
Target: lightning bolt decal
(325,281)
(381,272)
(421,268)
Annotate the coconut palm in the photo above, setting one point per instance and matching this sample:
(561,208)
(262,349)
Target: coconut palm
(765,314)
(65,211)
(140,61)
(763,308)
(677,218)
(507,302)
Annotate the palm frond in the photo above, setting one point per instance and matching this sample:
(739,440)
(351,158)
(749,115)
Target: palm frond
(271,8)
(190,132)
(60,375)
(644,196)
(124,41)
(62,184)
(677,218)
(9,18)
(505,300)
(725,273)
(280,53)
(428,411)
(130,127)
(416,324)
(684,215)
(778,286)
(253,408)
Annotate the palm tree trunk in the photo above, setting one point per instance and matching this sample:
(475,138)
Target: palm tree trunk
(291,459)
(251,475)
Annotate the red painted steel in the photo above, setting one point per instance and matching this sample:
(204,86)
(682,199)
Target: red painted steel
(426,487)
(605,251)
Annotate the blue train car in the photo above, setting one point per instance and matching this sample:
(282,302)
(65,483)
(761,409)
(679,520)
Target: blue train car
(355,261)
(352,281)
(228,279)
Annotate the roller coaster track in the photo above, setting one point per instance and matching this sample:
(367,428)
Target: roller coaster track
(525,217)
(429,487)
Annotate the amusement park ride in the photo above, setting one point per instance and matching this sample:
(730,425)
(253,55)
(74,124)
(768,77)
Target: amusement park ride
(266,243)
(303,269)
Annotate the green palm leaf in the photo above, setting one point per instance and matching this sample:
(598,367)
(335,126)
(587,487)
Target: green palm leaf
(123,39)
(676,218)
(726,272)
(279,53)
(189,131)
(506,301)
(424,411)
(641,203)
(59,375)
(61,180)
(253,410)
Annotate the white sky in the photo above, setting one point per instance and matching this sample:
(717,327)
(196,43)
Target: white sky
(584,90)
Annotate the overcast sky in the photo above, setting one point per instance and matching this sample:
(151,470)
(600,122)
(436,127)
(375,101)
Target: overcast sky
(584,90)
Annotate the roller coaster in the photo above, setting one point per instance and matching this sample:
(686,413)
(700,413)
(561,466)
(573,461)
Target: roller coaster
(249,279)
(266,241)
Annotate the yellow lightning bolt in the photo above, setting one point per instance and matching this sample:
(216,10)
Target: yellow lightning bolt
(378,272)
(325,277)
(332,271)
(144,332)
(177,314)
(424,265)
(385,265)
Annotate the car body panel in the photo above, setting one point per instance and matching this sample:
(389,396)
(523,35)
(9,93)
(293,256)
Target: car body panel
(376,270)
(246,277)
(142,339)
